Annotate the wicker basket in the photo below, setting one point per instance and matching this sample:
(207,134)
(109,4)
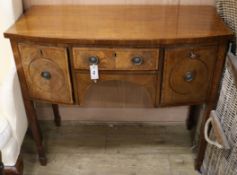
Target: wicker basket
(221,161)
(227,9)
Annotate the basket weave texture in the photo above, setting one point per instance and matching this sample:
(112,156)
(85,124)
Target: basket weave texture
(227,9)
(220,161)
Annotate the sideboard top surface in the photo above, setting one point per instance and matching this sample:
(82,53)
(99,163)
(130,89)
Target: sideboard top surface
(89,24)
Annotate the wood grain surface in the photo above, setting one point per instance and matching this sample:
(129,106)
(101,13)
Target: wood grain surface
(178,32)
(116,59)
(187,71)
(53,61)
(147,81)
(131,24)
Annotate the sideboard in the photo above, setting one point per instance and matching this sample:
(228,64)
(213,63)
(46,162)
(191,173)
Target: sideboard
(176,53)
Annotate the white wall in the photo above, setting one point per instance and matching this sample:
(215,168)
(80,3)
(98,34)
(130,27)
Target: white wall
(11,104)
(9,12)
(28,3)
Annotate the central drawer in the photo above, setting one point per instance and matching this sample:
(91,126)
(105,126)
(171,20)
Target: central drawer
(146,80)
(116,58)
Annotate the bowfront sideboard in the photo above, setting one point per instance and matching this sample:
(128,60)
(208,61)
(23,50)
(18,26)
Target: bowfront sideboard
(176,53)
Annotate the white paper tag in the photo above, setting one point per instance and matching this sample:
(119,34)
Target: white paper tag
(94,72)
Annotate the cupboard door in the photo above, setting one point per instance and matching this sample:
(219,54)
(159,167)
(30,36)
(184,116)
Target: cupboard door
(47,73)
(187,74)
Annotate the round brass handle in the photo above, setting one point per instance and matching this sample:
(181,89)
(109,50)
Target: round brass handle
(46,75)
(189,76)
(93,60)
(137,60)
(193,55)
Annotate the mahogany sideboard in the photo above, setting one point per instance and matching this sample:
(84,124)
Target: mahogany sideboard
(176,53)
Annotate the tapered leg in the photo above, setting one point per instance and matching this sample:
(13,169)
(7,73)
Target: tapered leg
(35,129)
(57,117)
(192,117)
(211,102)
(29,106)
(202,142)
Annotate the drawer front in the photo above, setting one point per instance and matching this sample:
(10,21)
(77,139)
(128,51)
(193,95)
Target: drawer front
(147,81)
(187,74)
(117,59)
(46,73)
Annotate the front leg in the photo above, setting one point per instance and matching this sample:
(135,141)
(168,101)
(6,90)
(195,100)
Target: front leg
(35,129)
(212,99)
(57,117)
(29,106)
(192,117)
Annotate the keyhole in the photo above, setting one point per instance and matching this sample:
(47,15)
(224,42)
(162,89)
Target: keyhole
(41,52)
(115,54)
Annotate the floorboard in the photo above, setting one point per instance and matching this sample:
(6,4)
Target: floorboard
(120,149)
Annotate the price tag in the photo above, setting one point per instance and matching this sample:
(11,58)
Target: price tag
(94,72)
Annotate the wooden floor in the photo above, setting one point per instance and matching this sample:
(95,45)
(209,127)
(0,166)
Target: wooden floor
(86,149)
